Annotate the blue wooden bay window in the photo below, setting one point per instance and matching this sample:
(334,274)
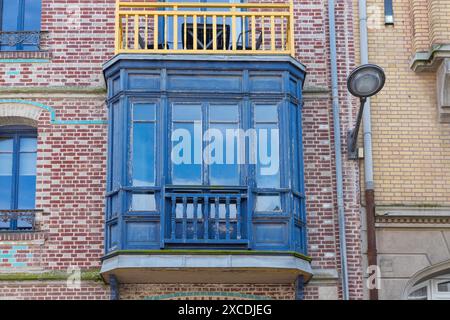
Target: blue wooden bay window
(17,176)
(206,159)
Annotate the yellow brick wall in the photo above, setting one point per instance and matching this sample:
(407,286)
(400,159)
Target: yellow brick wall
(411,148)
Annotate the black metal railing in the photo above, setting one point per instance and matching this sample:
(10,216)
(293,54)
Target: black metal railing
(18,220)
(20,40)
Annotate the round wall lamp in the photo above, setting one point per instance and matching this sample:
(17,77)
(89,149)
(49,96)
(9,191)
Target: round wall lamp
(363,82)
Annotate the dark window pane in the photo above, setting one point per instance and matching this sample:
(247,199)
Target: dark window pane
(143,154)
(144,112)
(444,287)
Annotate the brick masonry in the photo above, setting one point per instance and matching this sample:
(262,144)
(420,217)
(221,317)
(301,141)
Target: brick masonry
(72,158)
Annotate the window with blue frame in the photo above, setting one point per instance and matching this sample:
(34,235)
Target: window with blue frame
(18,146)
(20,25)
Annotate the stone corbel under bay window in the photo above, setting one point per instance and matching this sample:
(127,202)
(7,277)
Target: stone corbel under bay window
(443,91)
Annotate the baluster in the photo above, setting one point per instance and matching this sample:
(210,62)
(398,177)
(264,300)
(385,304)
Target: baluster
(244,35)
(204,32)
(194,40)
(136,32)
(175,30)
(263,30)
(146,33)
(224,32)
(282,34)
(195,217)
(165,31)
(126,31)
(155,32)
(253,33)
(238,218)
(185,32)
(217,218)
(184,218)
(233,32)
(272,33)
(205,219)
(214,26)
(227,218)
(173,217)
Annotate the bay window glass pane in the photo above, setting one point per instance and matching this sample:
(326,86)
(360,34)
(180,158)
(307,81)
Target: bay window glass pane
(268,157)
(186,113)
(225,168)
(186,152)
(223,113)
(143,154)
(143,202)
(144,112)
(268,203)
(266,113)
(185,169)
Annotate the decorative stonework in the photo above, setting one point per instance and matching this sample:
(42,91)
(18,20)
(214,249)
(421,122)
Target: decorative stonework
(20,113)
(443,91)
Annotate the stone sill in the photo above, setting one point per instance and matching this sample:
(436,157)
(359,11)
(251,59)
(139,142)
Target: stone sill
(427,61)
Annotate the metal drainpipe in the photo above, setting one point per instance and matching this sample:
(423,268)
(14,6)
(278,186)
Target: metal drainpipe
(368,159)
(337,149)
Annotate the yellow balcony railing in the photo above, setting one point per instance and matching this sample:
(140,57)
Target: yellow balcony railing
(204,28)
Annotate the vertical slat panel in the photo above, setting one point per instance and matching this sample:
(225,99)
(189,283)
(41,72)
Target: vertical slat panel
(173,217)
(184,218)
(238,218)
(205,219)
(227,218)
(195,217)
(263,20)
(217,218)
(282,34)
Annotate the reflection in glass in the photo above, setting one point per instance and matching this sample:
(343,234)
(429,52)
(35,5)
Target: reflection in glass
(268,203)
(143,202)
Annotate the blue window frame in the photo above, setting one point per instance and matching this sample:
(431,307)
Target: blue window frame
(388,12)
(19,16)
(18,149)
